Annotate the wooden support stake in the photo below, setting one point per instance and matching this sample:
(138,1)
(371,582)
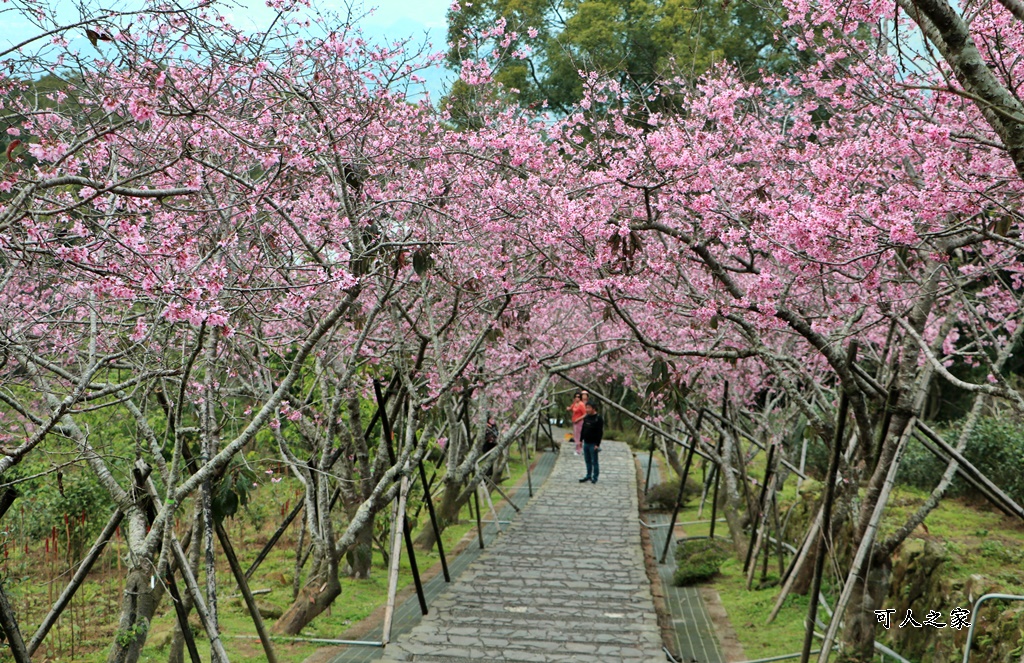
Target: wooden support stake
(274,539)
(826,520)
(396,553)
(243,585)
(479,526)
(9,624)
(866,543)
(525,450)
(6,500)
(182,615)
(76,581)
(388,435)
(759,516)
(797,563)
(717,469)
(650,460)
(679,496)
(434,523)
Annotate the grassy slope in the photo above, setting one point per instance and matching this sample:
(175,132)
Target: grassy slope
(978,538)
(34,578)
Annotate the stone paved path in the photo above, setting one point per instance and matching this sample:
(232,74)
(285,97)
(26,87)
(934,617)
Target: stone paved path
(408,615)
(565,582)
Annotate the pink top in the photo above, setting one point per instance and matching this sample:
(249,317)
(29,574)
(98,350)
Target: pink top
(579,410)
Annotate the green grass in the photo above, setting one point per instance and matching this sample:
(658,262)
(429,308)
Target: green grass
(94,610)
(978,539)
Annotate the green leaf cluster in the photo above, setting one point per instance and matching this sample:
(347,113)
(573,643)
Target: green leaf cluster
(637,42)
(699,560)
(995,446)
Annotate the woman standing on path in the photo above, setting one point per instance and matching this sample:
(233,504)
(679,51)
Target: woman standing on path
(579,411)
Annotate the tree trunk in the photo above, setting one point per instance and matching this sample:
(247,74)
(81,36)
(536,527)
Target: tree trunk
(138,604)
(313,599)
(360,554)
(868,596)
(452,501)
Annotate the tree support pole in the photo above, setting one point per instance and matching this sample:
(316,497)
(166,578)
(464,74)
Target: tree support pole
(396,552)
(650,461)
(182,615)
(274,539)
(433,522)
(826,518)
(479,526)
(9,624)
(298,507)
(679,495)
(6,500)
(716,468)
(760,510)
(388,435)
(76,581)
(525,451)
(243,585)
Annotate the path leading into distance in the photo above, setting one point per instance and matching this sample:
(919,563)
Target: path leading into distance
(565,582)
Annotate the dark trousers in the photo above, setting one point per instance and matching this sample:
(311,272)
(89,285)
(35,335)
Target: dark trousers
(590,454)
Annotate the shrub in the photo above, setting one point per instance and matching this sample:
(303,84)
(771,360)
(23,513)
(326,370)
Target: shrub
(627,435)
(995,447)
(698,560)
(72,507)
(663,495)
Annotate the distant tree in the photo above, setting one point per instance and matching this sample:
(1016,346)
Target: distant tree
(636,42)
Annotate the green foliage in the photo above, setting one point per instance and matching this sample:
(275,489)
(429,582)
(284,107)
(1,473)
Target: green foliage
(663,495)
(637,42)
(125,637)
(997,550)
(698,560)
(232,491)
(72,505)
(996,447)
(627,435)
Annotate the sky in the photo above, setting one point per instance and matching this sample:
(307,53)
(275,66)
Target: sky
(422,20)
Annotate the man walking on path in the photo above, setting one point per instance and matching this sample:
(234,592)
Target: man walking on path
(592,432)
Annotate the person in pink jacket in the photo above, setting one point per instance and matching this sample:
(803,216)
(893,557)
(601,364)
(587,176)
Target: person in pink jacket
(578,409)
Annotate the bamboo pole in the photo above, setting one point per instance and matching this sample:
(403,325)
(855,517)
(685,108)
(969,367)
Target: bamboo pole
(76,581)
(762,538)
(756,540)
(716,468)
(650,459)
(865,546)
(6,500)
(243,585)
(396,553)
(798,561)
(9,624)
(826,522)
(406,529)
(433,522)
(182,615)
(524,449)
(216,646)
(679,495)
(479,526)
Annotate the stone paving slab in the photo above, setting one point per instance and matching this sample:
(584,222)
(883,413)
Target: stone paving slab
(408,613)
(564,583)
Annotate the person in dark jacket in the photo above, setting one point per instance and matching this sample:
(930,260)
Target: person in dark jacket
(593,431)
